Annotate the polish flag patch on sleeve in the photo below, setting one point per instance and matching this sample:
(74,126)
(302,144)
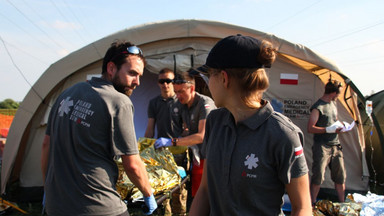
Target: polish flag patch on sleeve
(299,152)
(206,106)
(289,79)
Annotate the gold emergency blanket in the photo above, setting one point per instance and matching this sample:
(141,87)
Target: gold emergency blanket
(162,171)
(326,207)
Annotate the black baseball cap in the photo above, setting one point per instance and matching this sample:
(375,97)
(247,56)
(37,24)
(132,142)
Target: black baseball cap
(235,51)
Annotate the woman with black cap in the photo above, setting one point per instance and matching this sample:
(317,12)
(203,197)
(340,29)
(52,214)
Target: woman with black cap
(253,154)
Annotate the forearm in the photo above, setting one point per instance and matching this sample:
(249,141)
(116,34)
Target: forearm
(195,138)
(200,205)
(301,211)
(150,131)
(316,130)
(299,195)
(136,172)
(190,140)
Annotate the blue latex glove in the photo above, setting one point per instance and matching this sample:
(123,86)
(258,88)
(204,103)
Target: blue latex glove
(182,172)
(163,142)
(151,204)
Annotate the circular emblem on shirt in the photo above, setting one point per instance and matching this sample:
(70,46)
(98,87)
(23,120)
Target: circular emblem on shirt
(176,110)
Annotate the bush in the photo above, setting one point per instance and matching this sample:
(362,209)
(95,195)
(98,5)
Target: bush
(9,104)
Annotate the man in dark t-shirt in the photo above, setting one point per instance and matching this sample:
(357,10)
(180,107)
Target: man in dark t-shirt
(326,149)
(164,110)
(164,114)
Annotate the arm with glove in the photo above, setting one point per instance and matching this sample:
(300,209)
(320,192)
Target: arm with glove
(335,127)
(312,128)
(190,140)
(137,173)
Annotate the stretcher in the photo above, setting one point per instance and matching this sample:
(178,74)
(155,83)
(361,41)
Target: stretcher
(160,198)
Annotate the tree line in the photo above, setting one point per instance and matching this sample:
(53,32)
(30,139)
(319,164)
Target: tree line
(9,104)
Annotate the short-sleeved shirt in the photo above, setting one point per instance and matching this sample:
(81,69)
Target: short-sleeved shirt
(327,116)
(202,105)
(89,124)
(167,115)
(249,163)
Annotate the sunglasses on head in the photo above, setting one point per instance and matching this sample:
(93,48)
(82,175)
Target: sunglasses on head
(133,50)
(162,81)
(181,81)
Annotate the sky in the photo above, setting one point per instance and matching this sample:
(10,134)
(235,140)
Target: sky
(36,33)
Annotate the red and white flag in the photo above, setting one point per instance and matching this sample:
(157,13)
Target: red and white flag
(289,79)
(299,152)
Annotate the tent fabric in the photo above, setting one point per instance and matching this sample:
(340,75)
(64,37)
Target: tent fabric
(179,45)
(375,144)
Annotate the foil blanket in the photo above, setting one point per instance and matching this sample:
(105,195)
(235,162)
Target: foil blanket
(161,168)
(326,207)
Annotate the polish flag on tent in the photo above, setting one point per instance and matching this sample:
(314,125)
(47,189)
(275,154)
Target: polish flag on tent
(289,79)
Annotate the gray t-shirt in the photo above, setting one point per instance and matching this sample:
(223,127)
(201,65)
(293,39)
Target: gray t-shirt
(167,115)
(327,116)
(89,124)
(201,107)
(249,163)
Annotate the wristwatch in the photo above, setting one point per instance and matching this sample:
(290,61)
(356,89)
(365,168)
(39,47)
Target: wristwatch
(174,141)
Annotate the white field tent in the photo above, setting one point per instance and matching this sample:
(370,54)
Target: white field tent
(179,45)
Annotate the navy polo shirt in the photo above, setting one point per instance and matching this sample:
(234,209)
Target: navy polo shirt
(249,163)
(167,115)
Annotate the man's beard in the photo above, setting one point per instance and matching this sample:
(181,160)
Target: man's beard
(121,87)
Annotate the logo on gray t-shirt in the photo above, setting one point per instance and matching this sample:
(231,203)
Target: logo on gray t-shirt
(81,111)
